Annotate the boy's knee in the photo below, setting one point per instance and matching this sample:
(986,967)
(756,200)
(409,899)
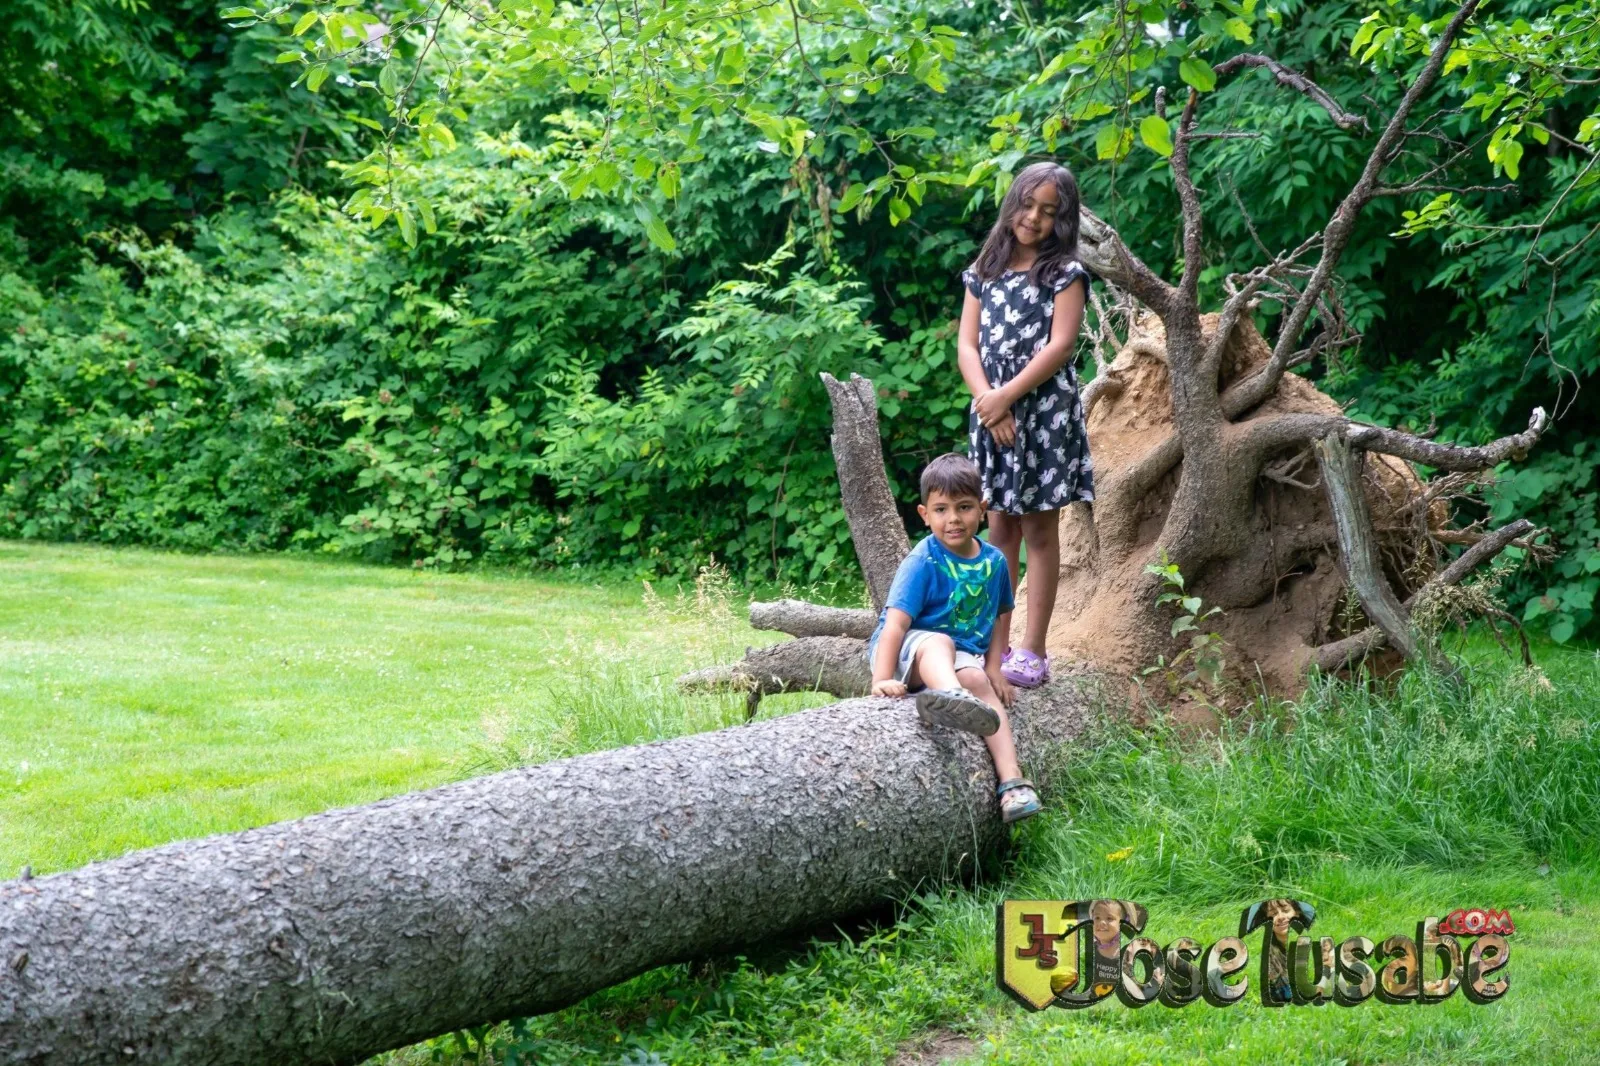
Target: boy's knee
(975,681)
(939,644)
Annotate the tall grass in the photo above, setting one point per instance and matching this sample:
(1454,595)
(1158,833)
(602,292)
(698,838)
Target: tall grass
(629,696)
(1429,774)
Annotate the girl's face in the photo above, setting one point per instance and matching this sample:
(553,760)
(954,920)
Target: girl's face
(1035,220)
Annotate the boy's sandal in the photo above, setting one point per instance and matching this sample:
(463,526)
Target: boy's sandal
(1025,801)
(1024,669)
(957,709)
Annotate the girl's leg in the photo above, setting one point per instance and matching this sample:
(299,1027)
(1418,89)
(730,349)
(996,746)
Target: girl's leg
(1005,533)
(1042,531)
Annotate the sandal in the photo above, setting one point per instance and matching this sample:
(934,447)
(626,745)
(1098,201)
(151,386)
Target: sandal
(957,708)
(1024,669)
(1024,800)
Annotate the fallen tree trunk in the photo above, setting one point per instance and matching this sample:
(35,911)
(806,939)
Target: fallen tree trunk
(334,937)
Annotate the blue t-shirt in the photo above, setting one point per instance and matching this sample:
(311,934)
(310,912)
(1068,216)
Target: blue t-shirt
(958,597)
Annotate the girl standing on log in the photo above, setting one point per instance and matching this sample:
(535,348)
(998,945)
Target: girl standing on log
(1019,326)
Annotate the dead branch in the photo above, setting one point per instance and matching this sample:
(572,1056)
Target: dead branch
(1540,552)
(1340,653)
(801,619)
(1341,477)
(875,526)
(1282,432)
(1102,251)
(1484,550)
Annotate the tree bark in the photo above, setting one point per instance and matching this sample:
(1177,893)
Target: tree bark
(1341,477)
(334,937)
(875,526)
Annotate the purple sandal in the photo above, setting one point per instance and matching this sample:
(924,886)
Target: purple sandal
(1024,669)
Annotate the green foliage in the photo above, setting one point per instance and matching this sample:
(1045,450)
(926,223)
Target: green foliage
(319,388)
(1202,663)
(644,81)
(549,377)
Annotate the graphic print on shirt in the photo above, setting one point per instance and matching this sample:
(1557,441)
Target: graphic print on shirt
(969,599)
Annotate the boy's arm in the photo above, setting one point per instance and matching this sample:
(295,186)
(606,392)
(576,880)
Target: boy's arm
(895,624)
(996,652)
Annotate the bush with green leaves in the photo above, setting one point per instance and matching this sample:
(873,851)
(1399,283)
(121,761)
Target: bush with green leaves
(541,380)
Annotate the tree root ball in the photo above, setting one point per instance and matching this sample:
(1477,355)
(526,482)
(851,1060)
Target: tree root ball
(1283,595)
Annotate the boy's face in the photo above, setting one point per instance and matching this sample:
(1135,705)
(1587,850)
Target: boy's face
(953,519)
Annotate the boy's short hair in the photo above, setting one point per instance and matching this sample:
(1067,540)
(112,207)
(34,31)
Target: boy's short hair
(952,474)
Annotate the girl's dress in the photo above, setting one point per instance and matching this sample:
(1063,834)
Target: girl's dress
(1048,467)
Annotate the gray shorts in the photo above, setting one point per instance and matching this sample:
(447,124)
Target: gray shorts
(908,649)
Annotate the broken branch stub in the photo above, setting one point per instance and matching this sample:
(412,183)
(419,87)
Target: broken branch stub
(1341,478)
(837,665)
(875,526)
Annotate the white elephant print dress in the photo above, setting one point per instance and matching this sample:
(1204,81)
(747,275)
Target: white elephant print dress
(1048,467)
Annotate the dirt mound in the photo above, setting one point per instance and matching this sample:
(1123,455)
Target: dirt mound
(1281,597)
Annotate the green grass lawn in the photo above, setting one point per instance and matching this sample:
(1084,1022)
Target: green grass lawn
(147,697)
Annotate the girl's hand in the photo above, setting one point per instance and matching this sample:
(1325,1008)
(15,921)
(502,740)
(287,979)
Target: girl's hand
(888,687)
(993,406)
(1004,431)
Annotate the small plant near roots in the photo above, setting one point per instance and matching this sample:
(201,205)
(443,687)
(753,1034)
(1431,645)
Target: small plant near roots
(1197,673)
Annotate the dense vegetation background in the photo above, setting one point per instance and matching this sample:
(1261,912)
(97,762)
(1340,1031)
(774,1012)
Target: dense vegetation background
(200,349)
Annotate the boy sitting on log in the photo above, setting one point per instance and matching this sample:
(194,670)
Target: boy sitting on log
(936,629)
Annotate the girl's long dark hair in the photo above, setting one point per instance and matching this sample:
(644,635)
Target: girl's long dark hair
(1057,250)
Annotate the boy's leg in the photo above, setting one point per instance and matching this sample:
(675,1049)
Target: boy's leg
(1020,801)
(1001,747)
(945,701)
(933,664)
